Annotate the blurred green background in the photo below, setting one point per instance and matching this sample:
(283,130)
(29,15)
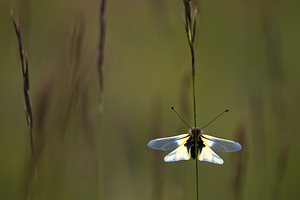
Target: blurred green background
(246,60)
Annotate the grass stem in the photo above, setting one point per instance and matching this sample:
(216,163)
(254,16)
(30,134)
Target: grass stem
(102,24)
(25,76)
(190,27)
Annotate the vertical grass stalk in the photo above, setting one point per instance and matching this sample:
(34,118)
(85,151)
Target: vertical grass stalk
(190,28)
(101,42)
(102,23)
(25,76)
(27,105)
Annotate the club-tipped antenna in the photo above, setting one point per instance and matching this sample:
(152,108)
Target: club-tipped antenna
(215,118)
(181,117)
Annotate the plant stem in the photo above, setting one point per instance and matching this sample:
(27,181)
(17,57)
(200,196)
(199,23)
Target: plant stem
(195,113)
(102,23)
(25,77)
(190,27)
(195,121)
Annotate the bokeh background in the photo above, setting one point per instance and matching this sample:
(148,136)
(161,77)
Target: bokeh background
(94,146)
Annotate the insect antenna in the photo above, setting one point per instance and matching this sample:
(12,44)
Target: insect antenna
(215,118)
(181,117)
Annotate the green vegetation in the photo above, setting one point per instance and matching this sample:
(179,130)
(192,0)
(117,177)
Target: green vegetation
(247,61)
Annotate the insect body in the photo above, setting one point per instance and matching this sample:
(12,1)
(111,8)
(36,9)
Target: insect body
(183,146)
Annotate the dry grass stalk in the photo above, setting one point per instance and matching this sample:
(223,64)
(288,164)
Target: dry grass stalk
(239,170)
(280,169)
(102,20)
(102,41)
(25,76)
(75,63)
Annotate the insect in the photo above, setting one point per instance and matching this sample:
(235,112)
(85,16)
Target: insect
(183,146)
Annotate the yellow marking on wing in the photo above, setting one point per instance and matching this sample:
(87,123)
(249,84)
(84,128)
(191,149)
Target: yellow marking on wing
(214,157)
(203,139)
(183,143)
(179,153)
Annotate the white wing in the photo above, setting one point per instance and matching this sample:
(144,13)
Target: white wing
(181,153)
(221,145)
(168,143)
(206,154)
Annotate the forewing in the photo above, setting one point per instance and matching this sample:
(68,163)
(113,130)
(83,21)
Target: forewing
(168,143)
(181,153)
(221,145)
(206,154)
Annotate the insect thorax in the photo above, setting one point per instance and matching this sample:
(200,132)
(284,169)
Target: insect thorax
(190,143)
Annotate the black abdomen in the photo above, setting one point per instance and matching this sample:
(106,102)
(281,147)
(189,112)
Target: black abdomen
(190,144)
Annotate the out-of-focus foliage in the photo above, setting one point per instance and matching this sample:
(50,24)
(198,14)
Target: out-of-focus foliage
(246,60)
